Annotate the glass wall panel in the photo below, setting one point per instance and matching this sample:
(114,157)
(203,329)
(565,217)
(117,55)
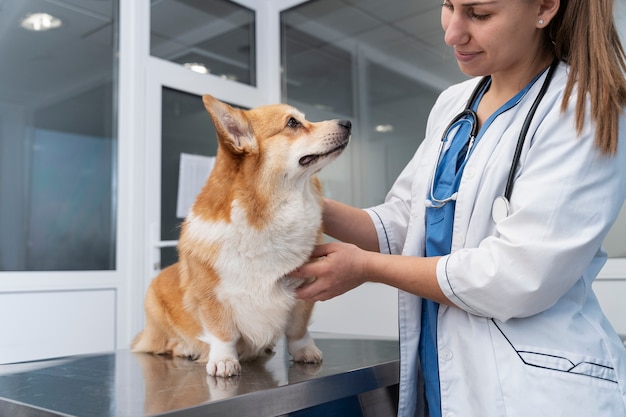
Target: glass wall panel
(57,135)
(206,36)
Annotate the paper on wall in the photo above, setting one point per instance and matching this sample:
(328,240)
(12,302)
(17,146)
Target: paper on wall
(192,174)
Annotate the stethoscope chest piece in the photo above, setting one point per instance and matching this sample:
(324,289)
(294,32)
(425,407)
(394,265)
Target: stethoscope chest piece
(500,209)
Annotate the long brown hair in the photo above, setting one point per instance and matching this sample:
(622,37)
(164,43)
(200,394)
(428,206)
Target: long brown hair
(583,34)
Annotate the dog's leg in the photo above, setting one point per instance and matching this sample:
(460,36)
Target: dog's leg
(221,334)
(300,344)
(223,358)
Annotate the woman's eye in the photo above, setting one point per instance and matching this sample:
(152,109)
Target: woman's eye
(474,14)
(293,123)
(480,16)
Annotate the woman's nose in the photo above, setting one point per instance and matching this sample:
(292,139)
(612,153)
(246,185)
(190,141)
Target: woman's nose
(454,28)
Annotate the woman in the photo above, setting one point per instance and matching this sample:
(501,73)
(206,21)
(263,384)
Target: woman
(496,304)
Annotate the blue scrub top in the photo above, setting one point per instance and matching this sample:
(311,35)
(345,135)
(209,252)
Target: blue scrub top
(439,222)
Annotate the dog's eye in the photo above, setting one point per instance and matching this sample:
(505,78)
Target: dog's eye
(293,123)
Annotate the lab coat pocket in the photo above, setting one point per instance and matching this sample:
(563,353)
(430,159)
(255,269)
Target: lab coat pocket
(562,362)
(537,381)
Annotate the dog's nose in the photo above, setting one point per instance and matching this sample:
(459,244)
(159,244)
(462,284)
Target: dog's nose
(346,123)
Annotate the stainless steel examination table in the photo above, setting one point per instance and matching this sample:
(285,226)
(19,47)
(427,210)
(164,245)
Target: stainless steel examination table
(358,377)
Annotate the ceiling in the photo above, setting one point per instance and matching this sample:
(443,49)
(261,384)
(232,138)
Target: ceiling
(41,67)
(404,35)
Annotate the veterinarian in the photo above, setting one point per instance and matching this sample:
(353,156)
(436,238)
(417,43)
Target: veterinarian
(496,303)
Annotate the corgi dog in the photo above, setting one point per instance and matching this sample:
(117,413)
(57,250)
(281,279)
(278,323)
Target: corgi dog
(229,297)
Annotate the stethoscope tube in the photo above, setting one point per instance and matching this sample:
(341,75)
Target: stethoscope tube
(500,208)
(508,190)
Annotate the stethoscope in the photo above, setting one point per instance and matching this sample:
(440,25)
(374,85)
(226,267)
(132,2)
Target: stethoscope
(500,208)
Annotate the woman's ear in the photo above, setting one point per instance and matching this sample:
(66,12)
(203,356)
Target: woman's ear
(547,10)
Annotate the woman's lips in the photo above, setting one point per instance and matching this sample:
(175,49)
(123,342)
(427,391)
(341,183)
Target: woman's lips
(465,56)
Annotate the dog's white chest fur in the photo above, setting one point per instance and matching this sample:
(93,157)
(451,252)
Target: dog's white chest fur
(252,262)
(276,248)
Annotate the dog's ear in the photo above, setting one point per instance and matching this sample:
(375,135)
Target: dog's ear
(232,126)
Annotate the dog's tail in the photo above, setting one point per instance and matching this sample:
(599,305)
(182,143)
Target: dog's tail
(134,346)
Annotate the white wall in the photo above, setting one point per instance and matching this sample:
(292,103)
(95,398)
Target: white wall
(369,310)
(37,325)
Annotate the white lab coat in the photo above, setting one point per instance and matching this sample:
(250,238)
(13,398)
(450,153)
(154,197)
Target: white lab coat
(527,336)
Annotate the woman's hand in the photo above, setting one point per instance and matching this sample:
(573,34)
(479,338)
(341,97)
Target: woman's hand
(336,267)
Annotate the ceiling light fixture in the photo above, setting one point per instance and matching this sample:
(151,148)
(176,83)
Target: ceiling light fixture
(196,67)
(39,22)
(384,128)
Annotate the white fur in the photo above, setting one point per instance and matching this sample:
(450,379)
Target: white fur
(245,252)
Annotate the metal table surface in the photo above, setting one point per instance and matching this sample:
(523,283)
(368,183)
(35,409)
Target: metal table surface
(126,384)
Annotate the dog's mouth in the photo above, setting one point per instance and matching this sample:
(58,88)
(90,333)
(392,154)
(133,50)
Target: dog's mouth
(308,160)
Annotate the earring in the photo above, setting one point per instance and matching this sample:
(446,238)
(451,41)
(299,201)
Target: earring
(540,22)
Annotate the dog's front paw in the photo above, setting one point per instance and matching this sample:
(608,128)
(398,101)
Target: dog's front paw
(223,367)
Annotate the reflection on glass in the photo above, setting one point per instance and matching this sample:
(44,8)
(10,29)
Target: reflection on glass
(57,141)
(206,36)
